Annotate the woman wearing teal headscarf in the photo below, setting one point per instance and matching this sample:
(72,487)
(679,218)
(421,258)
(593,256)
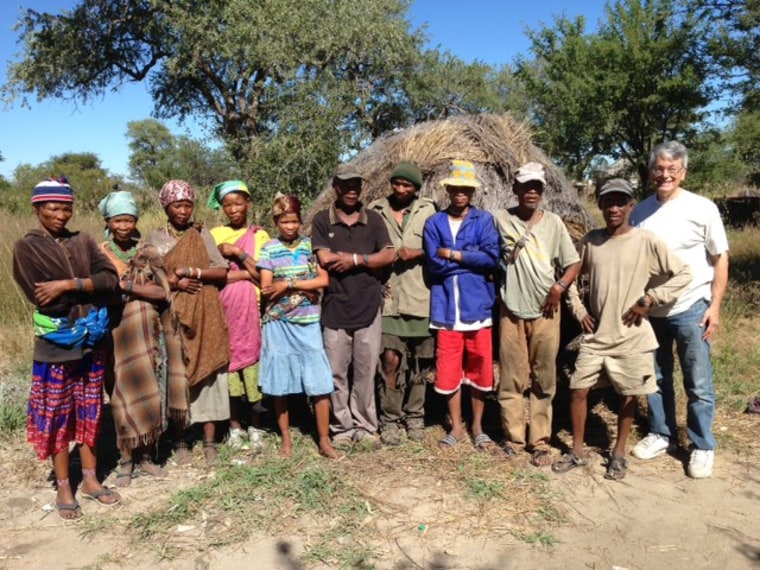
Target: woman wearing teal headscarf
(141,400)
(240,244)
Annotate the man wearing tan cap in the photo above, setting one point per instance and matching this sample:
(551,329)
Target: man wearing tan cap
(535,245)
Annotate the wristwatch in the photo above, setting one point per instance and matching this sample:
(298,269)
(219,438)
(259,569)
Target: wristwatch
(644,301)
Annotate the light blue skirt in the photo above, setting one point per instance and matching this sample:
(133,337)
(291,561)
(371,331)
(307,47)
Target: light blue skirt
(293,360)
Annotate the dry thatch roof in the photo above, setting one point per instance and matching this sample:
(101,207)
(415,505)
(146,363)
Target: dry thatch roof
(497,144)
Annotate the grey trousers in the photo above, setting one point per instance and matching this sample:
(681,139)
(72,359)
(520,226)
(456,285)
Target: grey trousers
(353,401)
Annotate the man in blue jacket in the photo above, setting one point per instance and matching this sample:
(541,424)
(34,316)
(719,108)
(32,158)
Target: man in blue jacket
(462,248)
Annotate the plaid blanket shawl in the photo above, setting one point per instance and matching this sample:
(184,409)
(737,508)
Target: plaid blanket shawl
(149,372)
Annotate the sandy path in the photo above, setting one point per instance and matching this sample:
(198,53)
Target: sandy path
(656,518)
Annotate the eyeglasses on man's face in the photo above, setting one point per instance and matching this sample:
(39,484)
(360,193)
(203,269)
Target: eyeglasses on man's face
(671,171)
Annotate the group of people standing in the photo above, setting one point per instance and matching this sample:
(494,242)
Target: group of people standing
(191,326)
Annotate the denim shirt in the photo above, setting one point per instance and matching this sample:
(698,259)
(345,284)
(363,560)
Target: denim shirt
(478,241)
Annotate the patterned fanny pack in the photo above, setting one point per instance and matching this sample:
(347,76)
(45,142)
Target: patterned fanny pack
(86,331)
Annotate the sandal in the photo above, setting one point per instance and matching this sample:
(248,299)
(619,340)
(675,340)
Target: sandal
(540,458)
(484,443)
(567,462)
(448,442)
(72,508)
(509,451)
(343,441)
(98,495)
(616,468)
(123,474)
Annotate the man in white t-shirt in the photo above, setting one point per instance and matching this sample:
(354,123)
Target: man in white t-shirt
(691,226)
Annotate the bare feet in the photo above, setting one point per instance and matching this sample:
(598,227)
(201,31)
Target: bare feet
(327,450)
(147,467)
(124,473)
(210,452)
(182,455)
(286,446)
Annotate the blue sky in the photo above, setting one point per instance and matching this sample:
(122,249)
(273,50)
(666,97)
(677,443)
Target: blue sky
(492,31)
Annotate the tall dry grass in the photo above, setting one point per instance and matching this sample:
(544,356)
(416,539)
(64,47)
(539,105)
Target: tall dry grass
(736,350)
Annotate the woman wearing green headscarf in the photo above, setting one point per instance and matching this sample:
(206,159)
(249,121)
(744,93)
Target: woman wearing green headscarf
(240,244)
(141,401)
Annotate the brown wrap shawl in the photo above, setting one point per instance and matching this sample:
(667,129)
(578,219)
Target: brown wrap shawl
(198,318)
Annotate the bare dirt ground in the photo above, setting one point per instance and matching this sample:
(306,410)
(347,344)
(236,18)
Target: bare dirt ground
(656,518)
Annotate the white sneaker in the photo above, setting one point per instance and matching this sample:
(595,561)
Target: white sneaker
(653,445)
(256,440)
(235,438)
(701,463)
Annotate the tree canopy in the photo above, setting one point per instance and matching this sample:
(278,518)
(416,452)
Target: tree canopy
(288,86)
(83,170)
(641,79)
(156,155)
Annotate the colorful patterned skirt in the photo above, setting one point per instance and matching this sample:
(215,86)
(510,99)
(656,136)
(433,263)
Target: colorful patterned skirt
(65,403)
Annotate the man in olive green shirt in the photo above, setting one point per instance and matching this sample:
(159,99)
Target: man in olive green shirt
(535,245)
(408,350)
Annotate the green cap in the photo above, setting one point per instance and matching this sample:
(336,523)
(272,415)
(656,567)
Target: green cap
(408,171)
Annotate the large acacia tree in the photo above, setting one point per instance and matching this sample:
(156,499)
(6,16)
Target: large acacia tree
(640,79)
(289,86)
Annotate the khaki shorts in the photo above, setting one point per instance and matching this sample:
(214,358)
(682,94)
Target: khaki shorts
(629,374)
(245,383)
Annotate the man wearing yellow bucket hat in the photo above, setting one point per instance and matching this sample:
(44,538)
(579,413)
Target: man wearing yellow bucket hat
(462,248)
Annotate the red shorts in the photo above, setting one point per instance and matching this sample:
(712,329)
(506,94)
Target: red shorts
(464,357)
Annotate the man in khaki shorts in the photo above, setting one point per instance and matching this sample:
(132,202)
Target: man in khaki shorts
(629,270)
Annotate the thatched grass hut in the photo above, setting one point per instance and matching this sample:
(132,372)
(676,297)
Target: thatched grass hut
(497,144)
